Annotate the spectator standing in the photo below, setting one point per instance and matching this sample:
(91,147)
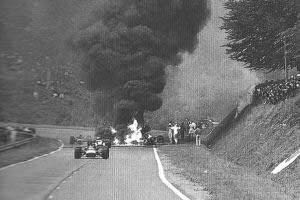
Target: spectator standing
(187,127)
(272,92)
(198,133)
(182,130)
(170,132)
(192,130)
(175,131)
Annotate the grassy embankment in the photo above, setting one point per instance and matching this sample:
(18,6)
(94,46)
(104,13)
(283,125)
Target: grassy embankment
(240,163)
(38,147)
(223,179)
(263,138)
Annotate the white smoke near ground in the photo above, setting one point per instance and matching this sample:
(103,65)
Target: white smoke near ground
(207,83)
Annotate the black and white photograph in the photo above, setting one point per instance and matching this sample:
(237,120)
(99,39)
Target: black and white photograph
(150,100)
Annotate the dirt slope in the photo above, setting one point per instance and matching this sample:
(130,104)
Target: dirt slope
(263,137)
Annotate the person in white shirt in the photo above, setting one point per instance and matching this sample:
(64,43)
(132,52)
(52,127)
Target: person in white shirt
(192,129)
(198,137)
(175,130)
(170,132)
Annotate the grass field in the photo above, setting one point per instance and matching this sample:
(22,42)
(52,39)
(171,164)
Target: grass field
(38,147)
(222,179)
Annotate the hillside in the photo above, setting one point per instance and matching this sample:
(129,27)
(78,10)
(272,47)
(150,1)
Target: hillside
(261,138)
(33,48)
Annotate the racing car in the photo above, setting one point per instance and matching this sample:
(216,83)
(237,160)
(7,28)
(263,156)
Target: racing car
(105,134)
(78,140)
(96,148)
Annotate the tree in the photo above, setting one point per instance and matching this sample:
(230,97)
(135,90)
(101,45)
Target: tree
(254,29)
(298,39)
(286,43)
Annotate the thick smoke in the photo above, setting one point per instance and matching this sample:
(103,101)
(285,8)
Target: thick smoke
(207,83)
(127,45)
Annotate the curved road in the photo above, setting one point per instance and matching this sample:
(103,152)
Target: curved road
(130,173)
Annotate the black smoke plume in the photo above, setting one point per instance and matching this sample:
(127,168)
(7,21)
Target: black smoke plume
(127,44)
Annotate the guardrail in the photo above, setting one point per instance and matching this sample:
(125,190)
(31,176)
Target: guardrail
(48,126)
(217,132)
(18,143)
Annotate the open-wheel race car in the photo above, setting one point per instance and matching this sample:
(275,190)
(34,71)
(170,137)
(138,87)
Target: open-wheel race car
(105,134)
(79,139)
(107,142)
(93,149)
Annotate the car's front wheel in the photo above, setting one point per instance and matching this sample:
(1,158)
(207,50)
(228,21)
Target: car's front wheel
(106,154)
(77,153)
(160,139)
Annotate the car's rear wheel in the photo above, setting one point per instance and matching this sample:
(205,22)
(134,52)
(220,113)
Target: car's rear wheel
(72,139)
(77,153)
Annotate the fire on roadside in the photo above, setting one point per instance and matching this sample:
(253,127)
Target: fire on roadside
(113,130)
(134,136)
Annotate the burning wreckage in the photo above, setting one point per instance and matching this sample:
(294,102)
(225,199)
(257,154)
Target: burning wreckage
(132,135)
(138,136)
(104,138)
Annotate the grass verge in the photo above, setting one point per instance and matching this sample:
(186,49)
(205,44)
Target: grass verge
(223,179)
(37,147)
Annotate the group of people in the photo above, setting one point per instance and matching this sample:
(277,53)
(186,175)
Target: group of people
(185,131)
(272,92)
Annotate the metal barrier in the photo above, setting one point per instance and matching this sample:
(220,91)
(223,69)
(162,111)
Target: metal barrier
(18,143)
(217,132)
(47,126)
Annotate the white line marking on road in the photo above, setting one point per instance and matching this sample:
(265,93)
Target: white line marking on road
(32,159)
(163,178)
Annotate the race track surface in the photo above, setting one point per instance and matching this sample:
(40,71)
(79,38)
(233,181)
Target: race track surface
(130,173)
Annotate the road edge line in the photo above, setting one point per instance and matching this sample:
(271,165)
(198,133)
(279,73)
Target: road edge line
(163,178)
(34,158)
(62,180)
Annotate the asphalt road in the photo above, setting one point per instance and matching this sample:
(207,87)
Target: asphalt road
(130,173)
